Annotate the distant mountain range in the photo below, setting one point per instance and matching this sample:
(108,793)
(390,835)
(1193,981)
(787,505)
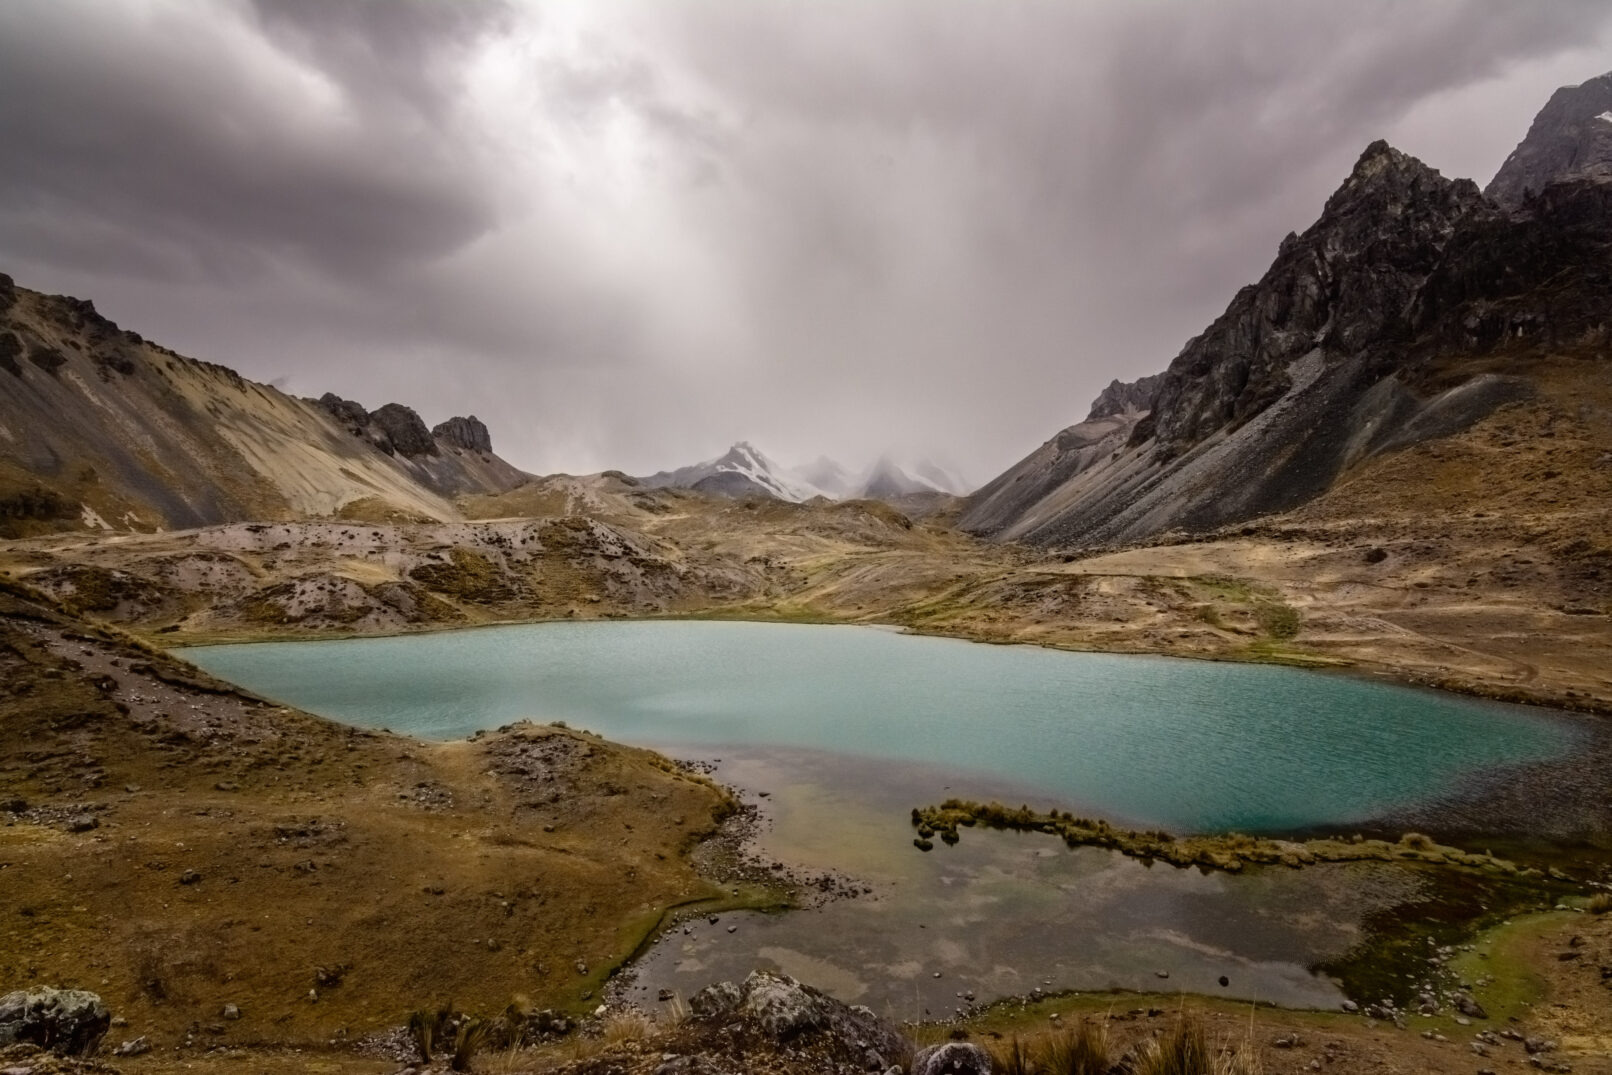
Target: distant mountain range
(1411,309)
(745,471)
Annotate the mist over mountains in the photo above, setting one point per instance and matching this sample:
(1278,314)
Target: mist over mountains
(744,470)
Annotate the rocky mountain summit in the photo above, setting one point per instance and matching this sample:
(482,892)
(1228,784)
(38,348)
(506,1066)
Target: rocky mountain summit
(1571,138)
(1125,397)
(395,429)
(1364,335)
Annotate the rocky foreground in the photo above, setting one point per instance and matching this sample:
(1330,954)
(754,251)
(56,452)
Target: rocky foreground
(773,1023)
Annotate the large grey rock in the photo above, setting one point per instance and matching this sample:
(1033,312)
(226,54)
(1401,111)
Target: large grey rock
(952,1058)
(1571,138)
(782,1010)
(67,1021)
(468,433)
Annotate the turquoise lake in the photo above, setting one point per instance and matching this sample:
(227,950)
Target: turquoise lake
(1188,745)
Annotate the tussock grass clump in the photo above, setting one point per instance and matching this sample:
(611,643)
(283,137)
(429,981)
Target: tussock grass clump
(1185,1050)
(1229,851)
(1011,1057)
(1081,1050)
(1600,903)
(1278,620)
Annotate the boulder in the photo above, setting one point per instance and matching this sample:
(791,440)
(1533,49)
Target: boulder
(952,1058)
(781,1010)
(67,1021)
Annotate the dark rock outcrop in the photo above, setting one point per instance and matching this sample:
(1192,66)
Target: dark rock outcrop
(67,1021)
(1540,277)
(468,433)
(404,430)
(353,417)
(1122,398)
(394,428)
(10,351)
(8,292)
(1571,138)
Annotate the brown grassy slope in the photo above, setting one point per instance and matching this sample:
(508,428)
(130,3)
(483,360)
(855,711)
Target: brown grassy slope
(240,847)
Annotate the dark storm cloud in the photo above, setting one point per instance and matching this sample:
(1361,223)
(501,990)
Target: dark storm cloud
(625,234)
(170,142)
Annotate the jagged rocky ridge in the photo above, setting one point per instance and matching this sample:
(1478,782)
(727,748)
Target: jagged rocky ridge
(100,427)
(1571,138)
(1357,339)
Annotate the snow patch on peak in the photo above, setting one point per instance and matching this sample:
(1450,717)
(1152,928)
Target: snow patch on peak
(743,460)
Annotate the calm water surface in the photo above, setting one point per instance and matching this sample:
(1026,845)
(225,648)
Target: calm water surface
(1190,745)
(848,728)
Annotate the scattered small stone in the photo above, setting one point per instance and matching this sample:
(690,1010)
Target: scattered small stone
(189,877)
(135,1047)
(231,1012)
(83,823)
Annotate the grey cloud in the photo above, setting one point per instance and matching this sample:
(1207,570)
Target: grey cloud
(829,228)
(161,136)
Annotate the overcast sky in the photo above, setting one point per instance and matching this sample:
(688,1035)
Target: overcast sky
(628,234)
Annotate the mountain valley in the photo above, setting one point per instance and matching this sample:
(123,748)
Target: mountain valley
(1390,457)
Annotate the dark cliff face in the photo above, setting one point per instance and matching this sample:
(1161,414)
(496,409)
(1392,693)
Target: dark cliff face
(468,433)
(1541,276)
(1571,138)
(1343,286)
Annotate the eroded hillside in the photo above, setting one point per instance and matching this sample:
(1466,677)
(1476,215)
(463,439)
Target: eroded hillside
(100,428)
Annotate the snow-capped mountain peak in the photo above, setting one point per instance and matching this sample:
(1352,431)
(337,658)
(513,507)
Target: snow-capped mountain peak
(743,470)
